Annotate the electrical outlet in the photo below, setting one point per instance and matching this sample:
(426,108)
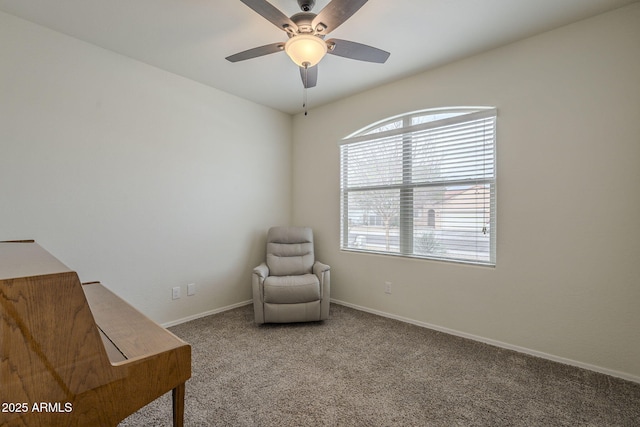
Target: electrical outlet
(176,292)
(191,289)
(387,287)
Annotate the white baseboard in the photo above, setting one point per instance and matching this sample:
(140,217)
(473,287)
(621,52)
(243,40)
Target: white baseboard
(206,313)
(495,343)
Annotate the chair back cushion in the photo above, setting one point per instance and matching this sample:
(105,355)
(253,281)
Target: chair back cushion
(290,251)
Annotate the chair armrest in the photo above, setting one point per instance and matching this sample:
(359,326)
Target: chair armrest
(319,268)
(323,272)
(261,271)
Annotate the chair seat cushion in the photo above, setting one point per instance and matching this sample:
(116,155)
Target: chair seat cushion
(291,289)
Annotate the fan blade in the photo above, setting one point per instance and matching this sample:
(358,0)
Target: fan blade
(311,77)
(256,51)
(271,14)
(358,51)
(334,14)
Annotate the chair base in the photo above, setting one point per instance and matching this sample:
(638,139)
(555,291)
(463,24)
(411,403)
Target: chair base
(289,313)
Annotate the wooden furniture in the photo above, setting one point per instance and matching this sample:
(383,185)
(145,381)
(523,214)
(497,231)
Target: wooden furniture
(77,355)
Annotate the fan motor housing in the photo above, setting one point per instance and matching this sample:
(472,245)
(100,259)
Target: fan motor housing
(306,5)
(304,21)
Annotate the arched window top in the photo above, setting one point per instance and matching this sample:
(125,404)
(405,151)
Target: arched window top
(416,118)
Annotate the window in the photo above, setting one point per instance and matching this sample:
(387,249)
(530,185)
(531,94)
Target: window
(431,215)
(422,185)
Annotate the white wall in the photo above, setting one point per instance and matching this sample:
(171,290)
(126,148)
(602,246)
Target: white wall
(567,280)
(136,177)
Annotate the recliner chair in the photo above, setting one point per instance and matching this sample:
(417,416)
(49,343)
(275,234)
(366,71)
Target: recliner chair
(291,286)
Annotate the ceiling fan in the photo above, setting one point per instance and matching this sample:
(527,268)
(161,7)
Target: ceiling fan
(306,30)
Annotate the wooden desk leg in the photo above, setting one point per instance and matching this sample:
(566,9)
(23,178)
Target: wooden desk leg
(178,406)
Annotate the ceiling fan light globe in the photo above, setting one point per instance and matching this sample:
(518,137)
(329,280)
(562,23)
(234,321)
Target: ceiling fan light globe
(305,49)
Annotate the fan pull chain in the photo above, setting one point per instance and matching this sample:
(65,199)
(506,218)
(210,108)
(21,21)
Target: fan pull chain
(304,101)
(306,79)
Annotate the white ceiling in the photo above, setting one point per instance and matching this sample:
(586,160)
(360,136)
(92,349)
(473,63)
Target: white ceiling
(191,38)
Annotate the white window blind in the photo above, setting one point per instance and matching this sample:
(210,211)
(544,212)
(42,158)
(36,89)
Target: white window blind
(422,185)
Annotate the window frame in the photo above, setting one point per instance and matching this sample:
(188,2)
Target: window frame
(404,127)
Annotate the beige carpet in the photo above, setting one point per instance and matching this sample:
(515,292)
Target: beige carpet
(358,369)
